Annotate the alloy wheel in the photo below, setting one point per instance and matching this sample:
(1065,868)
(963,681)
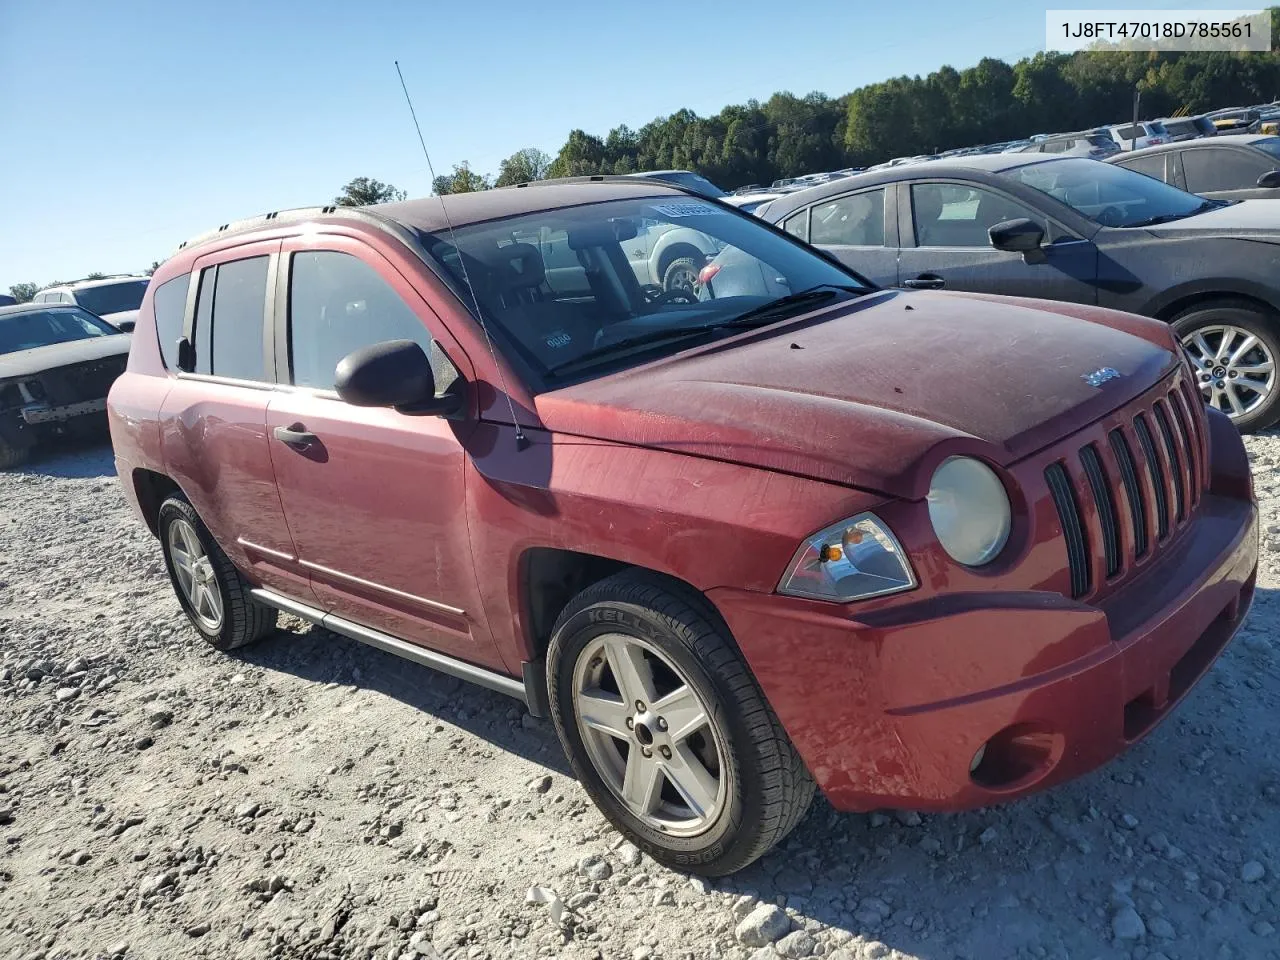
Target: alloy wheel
(649,735)
(195,575)
(1234,368)
(683,278)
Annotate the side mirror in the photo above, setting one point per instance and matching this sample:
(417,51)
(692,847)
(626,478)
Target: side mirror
(395,373)
(1019,236)
(1270,180)
(126,326)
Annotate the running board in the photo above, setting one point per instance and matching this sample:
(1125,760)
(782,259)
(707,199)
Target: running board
(400,648)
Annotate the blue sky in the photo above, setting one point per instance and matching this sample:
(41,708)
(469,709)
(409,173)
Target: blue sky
(149,122)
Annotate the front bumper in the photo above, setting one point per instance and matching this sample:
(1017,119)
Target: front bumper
(891,708)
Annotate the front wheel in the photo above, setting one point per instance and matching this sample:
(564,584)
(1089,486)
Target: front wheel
(209,588)
(682,275)
(1234,346)
(667,730)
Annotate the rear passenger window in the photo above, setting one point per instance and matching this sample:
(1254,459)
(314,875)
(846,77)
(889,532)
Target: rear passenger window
(1130,133)
(170,303)
(1151,166)
(856,221)
(337,304)
(229,318)
(797,225)
(1222,168)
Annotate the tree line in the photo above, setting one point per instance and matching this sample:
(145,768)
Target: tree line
(993,101)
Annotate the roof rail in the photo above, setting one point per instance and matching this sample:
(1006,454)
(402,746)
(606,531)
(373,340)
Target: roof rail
(613,178)
(280,217)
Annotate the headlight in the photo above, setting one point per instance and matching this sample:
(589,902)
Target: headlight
(852,560)
(969,510)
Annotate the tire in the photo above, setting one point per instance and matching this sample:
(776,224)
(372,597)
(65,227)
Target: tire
(241,620)
(761,787)
(1203,328)
(11,457)
(678,270)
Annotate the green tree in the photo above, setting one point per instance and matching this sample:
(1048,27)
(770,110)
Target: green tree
(155,265)
(462,180)
(96,276)
(582,155)
(23,292)
(364,191)
(523,166)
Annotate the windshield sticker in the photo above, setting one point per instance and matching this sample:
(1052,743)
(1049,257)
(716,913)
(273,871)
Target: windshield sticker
(693,208)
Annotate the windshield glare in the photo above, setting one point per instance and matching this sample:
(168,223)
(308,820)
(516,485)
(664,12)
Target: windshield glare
(40,328)
(112,297)
(1107,194)
(557,284)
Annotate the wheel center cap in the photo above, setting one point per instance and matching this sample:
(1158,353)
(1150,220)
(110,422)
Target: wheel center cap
(1220,371)
(644,735)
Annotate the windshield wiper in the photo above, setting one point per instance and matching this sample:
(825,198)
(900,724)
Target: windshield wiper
(1170,217)
(756,317)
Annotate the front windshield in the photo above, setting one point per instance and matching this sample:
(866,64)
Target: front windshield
(559,284)
(1107,194)
(112,297)
(40,328)
(1270,145)
(694,182)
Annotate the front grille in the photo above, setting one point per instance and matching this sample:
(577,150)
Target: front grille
(1147,473)
(82,381)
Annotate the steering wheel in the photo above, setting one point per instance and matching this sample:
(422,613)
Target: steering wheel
(655,295)
(1111,215)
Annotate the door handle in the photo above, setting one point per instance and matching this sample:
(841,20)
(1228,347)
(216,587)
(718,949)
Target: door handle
(295,436)
(926,281)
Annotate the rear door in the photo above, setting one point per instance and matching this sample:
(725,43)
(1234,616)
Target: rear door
(214,419)
(859,229)
(375,498)
(944,228)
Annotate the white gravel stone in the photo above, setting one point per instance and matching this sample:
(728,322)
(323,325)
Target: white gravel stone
(763,925)
(1127,925)
(1252,871)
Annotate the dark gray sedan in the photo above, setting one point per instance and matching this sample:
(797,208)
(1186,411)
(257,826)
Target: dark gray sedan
(1062,229)
(1244,167)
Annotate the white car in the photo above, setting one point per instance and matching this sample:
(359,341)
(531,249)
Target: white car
(1131,136)
(114,299)
(752,202)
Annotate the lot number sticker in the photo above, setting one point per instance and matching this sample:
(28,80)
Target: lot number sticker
(694,208)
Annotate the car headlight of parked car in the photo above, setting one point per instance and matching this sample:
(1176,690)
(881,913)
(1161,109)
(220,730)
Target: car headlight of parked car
(851,560)
(969,509)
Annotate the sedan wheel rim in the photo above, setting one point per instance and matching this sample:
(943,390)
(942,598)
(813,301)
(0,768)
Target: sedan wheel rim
(194,572)
(649,735)
(1234,368)
(683,278)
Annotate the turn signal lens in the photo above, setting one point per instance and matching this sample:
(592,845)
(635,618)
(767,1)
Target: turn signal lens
(852,560)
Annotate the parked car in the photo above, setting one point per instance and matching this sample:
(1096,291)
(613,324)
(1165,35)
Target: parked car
(1228,168)
(752,202)
(1093,145)
(56,365)
(684,178)
(1077,230)
(1234,120)
(115,299)
(6,300)
(1188,128)
(713,540)
(1135,136)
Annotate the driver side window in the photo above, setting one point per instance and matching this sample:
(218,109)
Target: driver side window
(337,304)
(959,215)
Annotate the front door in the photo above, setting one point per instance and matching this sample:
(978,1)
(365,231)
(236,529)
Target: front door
(948,224)
(852,229)
(375,499)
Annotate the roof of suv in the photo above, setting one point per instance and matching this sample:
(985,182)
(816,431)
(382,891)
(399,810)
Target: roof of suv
(428,214)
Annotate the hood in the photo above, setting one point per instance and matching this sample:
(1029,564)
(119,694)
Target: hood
(1245,220)
(875,392)
(26,363)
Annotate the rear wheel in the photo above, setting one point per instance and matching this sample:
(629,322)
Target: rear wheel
(11,457)
(210,590)
(1234,347)
(667,731)
(682,275)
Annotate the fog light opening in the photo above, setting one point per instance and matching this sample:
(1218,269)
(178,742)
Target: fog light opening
(1016,756)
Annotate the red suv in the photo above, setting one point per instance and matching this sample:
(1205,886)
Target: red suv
(929,550)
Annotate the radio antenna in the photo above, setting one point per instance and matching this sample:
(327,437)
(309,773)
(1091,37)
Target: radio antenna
(521,440)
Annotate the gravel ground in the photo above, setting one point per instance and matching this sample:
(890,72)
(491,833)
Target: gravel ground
(313,798)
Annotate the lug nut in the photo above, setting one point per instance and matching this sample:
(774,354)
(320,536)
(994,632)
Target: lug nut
(662,723)
(1219,384)
(666,752)
(639,706)
(1232,374)
(646,751)
(631,724)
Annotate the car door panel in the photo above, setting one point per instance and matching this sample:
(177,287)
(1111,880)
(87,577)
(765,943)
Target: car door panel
(214,439)
(376,503)
(841,227)
(1068,271)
